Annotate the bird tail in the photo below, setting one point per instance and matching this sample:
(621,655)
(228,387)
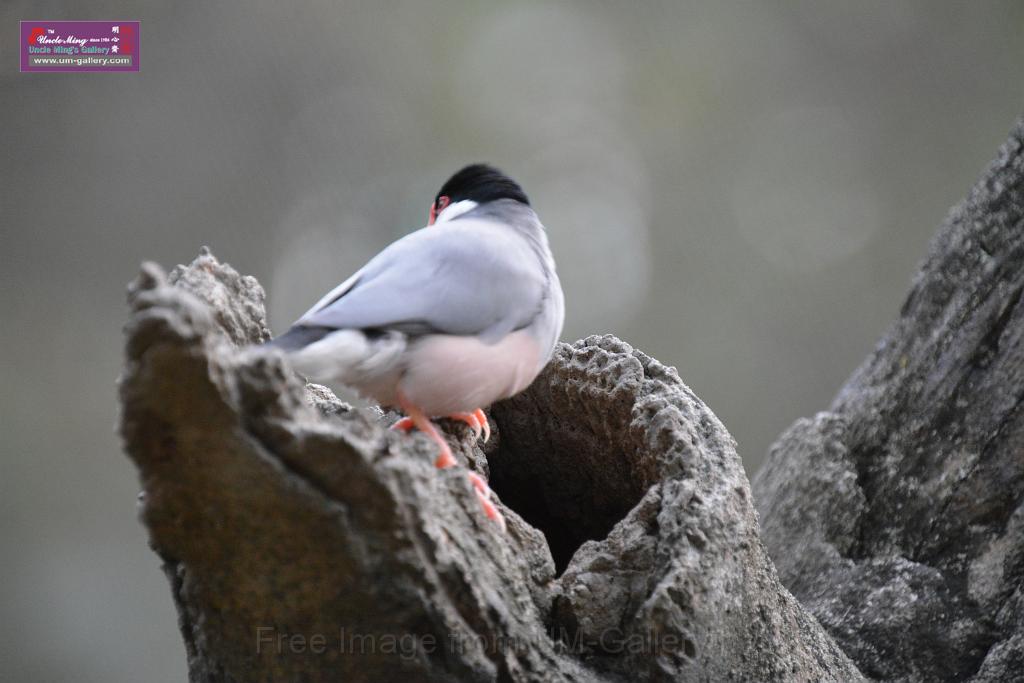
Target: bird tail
(350,356)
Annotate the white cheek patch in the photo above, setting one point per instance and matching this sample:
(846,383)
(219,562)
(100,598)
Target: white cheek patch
(455,210)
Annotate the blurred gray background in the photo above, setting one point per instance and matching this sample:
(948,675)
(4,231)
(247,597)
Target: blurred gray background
(741,190)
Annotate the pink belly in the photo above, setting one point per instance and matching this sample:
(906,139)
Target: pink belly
(448,374)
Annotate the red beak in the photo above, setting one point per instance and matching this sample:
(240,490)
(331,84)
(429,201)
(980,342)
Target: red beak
(437,207)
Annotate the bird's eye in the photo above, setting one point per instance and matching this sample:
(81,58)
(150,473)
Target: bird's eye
(442,203)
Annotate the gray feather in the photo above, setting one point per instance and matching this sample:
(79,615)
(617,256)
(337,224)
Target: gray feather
(297,337)
(473,276)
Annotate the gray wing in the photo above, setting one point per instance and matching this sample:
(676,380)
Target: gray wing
(470,277)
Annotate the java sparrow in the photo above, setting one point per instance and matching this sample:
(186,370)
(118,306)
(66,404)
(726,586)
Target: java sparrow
(446,320)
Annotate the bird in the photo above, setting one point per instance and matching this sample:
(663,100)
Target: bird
(445,321)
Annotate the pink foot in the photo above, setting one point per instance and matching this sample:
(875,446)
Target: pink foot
(477,422)
(483,495)
(482,419)
(404,424)
(422,422)
(471,420)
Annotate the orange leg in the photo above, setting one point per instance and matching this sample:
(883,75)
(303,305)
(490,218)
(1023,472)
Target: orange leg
(423,423)
(417,419)
(476,420)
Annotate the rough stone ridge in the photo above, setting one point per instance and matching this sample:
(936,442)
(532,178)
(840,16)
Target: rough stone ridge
(897,517)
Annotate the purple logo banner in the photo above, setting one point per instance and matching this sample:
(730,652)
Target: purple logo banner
(79,46)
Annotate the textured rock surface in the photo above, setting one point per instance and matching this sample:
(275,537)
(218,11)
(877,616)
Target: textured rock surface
(897,517)
(304,541)
(609,449)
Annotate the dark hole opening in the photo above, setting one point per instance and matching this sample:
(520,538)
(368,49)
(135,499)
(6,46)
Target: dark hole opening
(573,485)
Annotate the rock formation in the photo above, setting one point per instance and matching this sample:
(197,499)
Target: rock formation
(305,541)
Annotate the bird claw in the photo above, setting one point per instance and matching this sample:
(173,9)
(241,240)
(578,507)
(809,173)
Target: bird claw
(482,419)
(404,424)
(470,419)
(483,495)
(479,484)
(445,459)
(478,422)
